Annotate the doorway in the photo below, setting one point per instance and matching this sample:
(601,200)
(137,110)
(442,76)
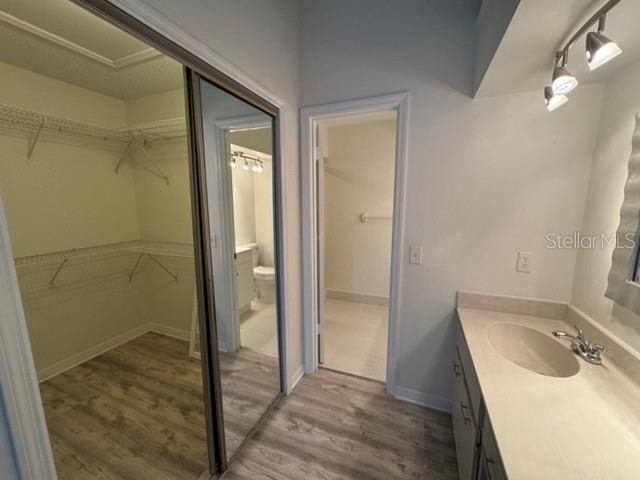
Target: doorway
(350,301)
(355,179)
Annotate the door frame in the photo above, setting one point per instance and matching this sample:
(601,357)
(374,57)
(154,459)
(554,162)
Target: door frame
(399,103)
(20,401)
(230,340)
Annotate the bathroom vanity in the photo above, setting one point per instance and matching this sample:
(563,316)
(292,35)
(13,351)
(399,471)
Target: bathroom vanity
(526,407)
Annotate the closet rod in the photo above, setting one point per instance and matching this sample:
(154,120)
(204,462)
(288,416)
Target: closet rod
(365,217)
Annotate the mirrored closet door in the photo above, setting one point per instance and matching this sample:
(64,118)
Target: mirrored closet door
(237,147)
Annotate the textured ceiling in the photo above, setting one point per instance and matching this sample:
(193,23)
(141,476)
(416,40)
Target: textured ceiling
(59,39)
(524,59)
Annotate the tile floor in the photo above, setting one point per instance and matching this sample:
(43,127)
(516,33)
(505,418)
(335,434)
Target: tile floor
(259,329)
(355,341)
(356,338)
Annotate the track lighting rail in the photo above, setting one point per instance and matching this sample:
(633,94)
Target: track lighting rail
(599,50)
(596,17)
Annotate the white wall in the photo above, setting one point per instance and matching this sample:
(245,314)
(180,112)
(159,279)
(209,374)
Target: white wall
(359,169)
(244,206)
(263,201)
(602,211)
(485,178)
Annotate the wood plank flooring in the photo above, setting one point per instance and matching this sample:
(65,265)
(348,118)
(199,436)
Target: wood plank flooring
(136,412)
(338,427)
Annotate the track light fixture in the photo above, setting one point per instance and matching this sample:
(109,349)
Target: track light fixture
(563,81)
(600,50)
(257,166)
(552,100)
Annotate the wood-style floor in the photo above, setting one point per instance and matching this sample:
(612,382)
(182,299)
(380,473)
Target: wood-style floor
(338,427)
(136,412)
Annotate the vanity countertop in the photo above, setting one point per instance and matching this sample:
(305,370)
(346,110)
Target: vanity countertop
(582,427)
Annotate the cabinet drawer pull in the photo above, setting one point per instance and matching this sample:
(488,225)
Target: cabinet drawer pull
(463,409)
(456,369)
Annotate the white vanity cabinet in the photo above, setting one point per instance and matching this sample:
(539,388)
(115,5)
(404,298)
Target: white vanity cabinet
(244,274)
(476,449)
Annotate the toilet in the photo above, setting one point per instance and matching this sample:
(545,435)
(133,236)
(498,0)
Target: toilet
(264,279)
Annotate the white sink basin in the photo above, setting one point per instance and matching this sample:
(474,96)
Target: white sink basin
(533,350)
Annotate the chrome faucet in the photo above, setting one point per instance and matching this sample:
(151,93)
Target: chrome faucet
(590,351)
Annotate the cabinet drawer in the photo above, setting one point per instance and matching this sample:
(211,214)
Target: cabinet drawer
(464,425)
(469,373)
(491,461)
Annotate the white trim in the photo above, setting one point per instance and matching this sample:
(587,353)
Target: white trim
(308,116)
(356,297)
(296,377)
(168,331)
(150,16)
(18,382)
(135,58)
(245,122)
(423,399)
(116,64)
(57,368)
(62,366)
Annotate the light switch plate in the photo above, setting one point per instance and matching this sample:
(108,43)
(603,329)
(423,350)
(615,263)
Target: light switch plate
(524,262)
(415,255)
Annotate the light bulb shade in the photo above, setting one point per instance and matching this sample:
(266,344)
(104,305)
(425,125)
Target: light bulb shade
(245,166)
(600,50)
(232,162)
(554,101)
(563,81)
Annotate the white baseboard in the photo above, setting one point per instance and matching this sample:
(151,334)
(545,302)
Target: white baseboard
(296,377)
(168,331)
(92,352)
(357,297)
(81,357)
(423,399)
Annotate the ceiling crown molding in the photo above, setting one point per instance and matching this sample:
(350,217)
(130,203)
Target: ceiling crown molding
(116,64)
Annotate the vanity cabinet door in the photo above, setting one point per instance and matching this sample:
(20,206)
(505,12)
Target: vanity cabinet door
(244,273)
(491,462)
(464,427)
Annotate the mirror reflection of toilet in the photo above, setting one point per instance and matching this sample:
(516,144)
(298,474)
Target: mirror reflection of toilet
(264,280)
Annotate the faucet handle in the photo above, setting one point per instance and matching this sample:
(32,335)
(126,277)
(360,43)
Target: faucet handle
(596,347)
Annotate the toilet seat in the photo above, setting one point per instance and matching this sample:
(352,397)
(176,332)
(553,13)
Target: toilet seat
(264,273)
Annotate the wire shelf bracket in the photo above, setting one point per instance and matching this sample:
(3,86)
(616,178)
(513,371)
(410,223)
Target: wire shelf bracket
(156,261)
(150,165)
(34,140)
(52,282)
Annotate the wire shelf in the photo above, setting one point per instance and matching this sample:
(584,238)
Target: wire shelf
(169,249)
(36,126)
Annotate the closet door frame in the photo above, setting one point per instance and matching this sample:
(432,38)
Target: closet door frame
(23,410)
